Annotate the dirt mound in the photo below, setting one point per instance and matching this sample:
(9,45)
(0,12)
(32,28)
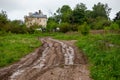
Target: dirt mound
(54,60)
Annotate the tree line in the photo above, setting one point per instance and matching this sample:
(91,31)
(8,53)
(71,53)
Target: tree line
(67,19)
(82,19)
(14,26)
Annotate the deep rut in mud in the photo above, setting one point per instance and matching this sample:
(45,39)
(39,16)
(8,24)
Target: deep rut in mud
(54,60)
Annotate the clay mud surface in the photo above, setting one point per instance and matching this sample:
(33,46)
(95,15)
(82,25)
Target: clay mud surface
(54,60)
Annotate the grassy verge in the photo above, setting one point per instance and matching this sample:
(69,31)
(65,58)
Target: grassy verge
(103,52)
(15,46)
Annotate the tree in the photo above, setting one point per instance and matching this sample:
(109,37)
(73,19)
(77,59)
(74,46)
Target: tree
(64,13)
(51,24)
(81,6)
(3,19)
(78,14)
(117,18)
(101,10)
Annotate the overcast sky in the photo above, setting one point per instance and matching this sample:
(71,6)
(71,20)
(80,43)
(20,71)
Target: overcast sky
(17,9)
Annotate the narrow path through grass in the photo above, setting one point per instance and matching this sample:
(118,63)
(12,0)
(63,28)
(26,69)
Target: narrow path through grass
(103,51)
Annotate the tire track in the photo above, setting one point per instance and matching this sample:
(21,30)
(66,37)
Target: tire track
(54,60)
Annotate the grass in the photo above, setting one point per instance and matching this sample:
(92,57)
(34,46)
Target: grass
(15,46)
(103,51)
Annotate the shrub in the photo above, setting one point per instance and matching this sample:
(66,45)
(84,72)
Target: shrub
(118,22)
(99,23)
(84,29)
(51,26)
(65,27)
(74,27)
(114,26)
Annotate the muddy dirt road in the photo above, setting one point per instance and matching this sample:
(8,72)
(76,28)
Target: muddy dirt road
(54,60)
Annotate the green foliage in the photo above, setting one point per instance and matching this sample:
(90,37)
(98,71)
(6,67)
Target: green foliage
(51,25)
(97,18)
(78,14)
(64,27)
(114,26)
(103,54)
(84,29)
(118,22)
(101,10)
(3,20)
(107,28)
(15,46)
(99,23)
(15,26)
(65,8)
(117,18)
(62,14)
(81,6)
(3,17)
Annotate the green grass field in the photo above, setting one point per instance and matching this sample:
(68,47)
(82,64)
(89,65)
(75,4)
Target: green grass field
(103,51)
(15,46)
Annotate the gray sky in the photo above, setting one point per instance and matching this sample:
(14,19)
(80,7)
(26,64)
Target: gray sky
(17,9)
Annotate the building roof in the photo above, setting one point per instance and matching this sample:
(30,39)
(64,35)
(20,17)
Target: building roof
(37,15)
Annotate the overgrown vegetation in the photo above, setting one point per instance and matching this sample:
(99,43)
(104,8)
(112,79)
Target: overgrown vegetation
(68,19)
(15,26)
(103,53)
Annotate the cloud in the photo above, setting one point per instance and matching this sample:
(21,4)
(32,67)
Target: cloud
(9,5)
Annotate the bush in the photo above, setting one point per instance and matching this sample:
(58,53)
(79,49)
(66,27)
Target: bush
(114,26)
(74,27)
(65,27)
(118,22)
(84,29)
(99,23)
(51,26)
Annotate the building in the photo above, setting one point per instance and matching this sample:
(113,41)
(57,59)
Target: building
(37,18)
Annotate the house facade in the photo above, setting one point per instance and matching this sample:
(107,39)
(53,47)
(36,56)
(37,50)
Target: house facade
(37,18)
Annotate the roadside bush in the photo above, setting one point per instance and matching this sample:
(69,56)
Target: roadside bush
(74,27)
(84,29)
(118,22)
(99,23)
(51,26)
(64,27)
(114,26)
